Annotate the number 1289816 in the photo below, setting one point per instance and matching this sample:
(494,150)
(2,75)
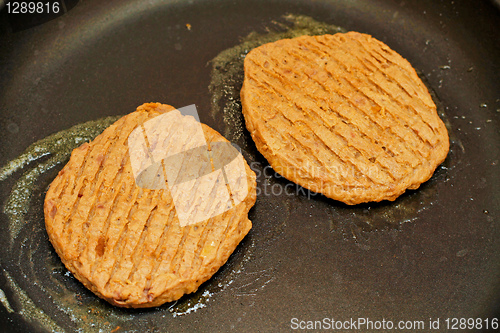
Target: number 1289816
(33,7)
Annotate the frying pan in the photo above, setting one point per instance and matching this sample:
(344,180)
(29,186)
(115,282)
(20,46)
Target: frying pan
(432,254)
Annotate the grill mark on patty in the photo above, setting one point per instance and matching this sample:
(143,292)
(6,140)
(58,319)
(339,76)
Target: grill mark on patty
(74,237)
(399,148)
(183,258)
(67,229)
(118,185)
(230,227)
(403,65)
(138,251)
(134,233)
(148,246)
(207,229)
(322,121)
(161,247)
(175,261)
(346,125)
(378,90)
(324,52)
(312,128)
(288,123)
(388,79)
(100,196)
(117,254)
(66,219)
(114,233)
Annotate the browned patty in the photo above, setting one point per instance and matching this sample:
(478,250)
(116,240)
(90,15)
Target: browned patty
(124,242)
(343,115)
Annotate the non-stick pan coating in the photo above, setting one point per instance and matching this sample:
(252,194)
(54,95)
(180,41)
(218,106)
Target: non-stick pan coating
(433,253)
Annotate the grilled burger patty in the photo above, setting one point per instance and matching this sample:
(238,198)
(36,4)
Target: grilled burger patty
(125,242)
(343,115)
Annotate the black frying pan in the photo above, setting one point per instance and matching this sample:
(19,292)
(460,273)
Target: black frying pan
(432,254)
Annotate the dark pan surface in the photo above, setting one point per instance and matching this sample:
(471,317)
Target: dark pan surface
(434,253)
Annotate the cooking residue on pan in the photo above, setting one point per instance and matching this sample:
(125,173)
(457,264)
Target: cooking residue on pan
(353,222)
(5,301)
(43,156)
